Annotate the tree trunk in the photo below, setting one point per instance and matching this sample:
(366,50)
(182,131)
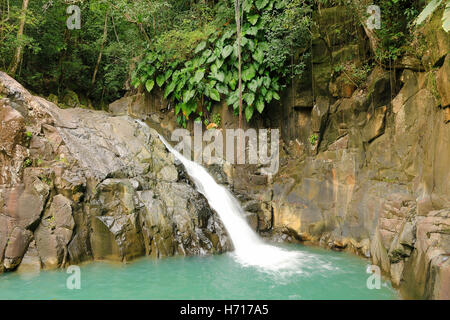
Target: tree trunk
(237,6)
(105,33)
(19,50)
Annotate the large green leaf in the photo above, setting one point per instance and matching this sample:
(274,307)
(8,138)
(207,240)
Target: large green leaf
(214,94)
(170,88)
(178,108)
(228,34)
(160,79)
(181,82)
(207,53)
(276,96)
(211,59)
(249,98)
(253,86)
(260,105)
(232,98)
(248,73)
(199,74)
(269,96)
(232,83)
(220,76)
(261,3)
(168,74)
(250,44)
(248,113)
(253,31)
(149,85)
(227,51)
(135,83)
(247,5)
(253,19)
(219,63)
(187,95)
(223,89)
(200,47)
(258,55)
(150,70)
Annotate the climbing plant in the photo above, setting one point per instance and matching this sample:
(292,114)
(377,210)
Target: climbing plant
(207,72)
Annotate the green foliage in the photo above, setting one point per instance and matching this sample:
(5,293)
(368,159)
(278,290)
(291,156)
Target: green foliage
(397,17)
(216,119)
(186,48)
(196,67)
(27,163)
(313,139)
(56,59)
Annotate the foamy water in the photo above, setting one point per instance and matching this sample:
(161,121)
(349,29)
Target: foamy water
(250,250)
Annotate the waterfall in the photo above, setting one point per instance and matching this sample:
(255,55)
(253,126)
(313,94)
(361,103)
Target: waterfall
(250,250)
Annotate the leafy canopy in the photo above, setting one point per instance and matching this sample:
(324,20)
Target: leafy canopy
(197,66)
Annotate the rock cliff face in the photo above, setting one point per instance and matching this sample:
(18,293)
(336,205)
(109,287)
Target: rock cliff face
(78,185)
(376,181)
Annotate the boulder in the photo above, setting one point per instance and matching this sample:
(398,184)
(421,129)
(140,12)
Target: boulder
(17,246)
(443,82)
(97,186)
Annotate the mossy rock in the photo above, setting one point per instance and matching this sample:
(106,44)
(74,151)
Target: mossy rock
(322,77)
(346,53)
(53,98)
(329,17)
(437,41)
(71,99)
(431,84)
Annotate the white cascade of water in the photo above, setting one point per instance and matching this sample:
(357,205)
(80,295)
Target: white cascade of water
(250,250)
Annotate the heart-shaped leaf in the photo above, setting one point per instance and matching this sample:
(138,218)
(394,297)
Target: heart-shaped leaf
(261,3)
(200,47)
(223,89)
(249,98)
(253,86)
(260,105)
(160,80)
(248,73)
(248,113)
(258,55)
(149,85)
(214,94)
(187,95)
(253,19)
(169,89)
(227,51)
(199,74)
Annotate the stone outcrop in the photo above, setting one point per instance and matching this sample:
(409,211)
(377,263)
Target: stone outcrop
(376,181)
(78,185)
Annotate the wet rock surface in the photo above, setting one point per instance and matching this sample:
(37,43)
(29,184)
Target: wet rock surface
(78,185)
